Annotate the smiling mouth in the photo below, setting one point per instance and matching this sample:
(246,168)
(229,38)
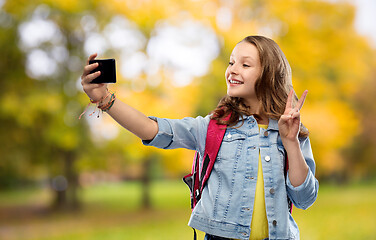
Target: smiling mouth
(232,81)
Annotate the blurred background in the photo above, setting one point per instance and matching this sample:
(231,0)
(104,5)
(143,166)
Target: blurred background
(64,178)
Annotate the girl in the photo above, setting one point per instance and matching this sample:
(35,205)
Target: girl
(246,196)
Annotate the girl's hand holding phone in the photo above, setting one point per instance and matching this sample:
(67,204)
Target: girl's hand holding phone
(95,91)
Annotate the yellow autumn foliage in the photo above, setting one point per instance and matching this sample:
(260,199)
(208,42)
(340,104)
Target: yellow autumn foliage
(327,57)
(326,54)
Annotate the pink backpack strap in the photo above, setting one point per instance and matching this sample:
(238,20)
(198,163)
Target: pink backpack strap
(289,202)
(196,180)
(214,139)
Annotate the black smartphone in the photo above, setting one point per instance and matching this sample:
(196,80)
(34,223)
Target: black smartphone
(107,69)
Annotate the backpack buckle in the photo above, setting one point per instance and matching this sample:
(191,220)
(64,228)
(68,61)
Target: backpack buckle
(197,193)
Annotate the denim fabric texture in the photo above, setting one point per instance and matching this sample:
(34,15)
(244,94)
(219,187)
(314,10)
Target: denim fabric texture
(226,205)
(211,237)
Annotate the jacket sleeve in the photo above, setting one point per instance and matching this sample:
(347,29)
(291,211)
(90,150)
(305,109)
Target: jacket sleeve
(189,133)
(305,195)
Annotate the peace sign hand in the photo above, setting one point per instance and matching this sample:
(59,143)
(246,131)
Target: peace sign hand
(289,123)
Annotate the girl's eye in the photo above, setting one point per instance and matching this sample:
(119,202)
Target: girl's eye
(246,65)
(231,63)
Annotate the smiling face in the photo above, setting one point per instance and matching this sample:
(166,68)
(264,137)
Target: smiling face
(242,72)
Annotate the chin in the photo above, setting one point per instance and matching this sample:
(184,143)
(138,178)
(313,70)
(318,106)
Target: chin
(232,94)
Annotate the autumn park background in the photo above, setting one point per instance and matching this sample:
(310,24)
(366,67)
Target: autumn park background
(64,178)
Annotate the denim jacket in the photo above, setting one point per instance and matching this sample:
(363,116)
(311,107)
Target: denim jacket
(226,204)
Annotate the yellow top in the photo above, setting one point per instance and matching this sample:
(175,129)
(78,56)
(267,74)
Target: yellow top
(259,225)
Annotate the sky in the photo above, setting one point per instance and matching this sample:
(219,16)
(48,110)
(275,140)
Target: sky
(365,18)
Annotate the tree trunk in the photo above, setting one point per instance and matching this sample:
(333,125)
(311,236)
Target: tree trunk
(145,183)
(66,186)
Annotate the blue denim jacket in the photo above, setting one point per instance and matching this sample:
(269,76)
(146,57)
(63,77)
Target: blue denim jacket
(226,205)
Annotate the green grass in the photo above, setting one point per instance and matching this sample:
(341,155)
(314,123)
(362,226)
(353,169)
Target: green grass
(112,211)
(340,212)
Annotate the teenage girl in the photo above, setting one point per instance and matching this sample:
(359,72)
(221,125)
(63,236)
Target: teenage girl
(246,196)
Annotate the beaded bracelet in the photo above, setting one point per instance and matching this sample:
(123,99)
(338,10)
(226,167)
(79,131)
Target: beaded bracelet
(112,103)
(100,100)
(104,107)
(107,106)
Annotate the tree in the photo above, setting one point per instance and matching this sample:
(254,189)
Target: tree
(41,70)
(49,63)
(41,104)
(327,57)
(360,156)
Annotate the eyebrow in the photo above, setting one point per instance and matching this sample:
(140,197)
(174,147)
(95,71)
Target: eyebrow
(244,57)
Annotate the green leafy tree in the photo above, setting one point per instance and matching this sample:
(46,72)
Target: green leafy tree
(40,107)
(40,71)
(328,57)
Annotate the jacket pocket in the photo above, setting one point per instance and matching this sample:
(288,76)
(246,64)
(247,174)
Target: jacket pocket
(231,145)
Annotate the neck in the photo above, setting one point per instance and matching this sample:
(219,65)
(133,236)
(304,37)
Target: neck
(256,110)
(263,121)
(254,106)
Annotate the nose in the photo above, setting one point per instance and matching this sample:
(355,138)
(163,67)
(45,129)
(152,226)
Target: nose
(233,69)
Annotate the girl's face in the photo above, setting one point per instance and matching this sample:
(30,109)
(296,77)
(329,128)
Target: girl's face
(243,71)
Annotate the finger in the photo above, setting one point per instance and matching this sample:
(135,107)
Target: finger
(284,118)
(90,77)
(289,99)
(91,57)
(300,103)
(89,68)
(295,115)
(292,112)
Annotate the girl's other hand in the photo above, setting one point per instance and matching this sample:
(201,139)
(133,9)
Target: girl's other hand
(94,91)
(289,123)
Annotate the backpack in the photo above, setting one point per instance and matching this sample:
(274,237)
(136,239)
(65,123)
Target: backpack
(197,179)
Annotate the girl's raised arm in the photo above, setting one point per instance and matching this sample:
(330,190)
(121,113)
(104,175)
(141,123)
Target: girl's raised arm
(128,117)
(289,125)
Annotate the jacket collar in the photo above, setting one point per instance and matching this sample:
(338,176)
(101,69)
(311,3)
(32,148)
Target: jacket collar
(273,124)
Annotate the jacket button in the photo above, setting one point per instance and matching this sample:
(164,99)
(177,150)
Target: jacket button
(272,191)
(274,223)
(266,133)
(267,158)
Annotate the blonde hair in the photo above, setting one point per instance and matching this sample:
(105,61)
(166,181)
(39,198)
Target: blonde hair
(272,87)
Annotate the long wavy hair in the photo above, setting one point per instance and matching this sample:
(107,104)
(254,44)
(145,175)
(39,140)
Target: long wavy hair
(272,87)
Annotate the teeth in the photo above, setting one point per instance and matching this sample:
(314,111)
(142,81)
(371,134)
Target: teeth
(235,82)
